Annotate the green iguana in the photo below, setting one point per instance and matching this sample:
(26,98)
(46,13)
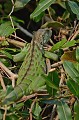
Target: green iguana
(30,77)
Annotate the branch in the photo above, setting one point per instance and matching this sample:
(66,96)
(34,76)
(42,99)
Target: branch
(11,75)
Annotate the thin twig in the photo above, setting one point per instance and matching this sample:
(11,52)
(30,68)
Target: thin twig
(56,64)
(25,98)
(18,38)
(48,65)
(76,33)
(2,83)
(16,43)
(62,79)
(53,112)
(11,14)
(5,112)
(30,110)
(24,30)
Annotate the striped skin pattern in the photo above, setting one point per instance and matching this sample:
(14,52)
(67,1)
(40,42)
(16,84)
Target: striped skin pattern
(30,77)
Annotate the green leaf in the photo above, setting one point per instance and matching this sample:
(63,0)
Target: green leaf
(50,101)
(66,15)
(7,54)
(77,54)
(54,24)
(12,117)
(64,112)
(70,69)
(74,7)
(50,83)
(69,44)
(36,110)
(21,3)
(19,106)
(42,6)
(58,45)
(1,115)
(6,29)
(38,18)
(73,86)
(76,110)
(51,55)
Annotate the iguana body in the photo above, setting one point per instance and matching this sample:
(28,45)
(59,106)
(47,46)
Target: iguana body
(30,77)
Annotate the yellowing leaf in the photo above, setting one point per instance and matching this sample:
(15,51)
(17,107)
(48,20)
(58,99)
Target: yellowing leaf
(69,56)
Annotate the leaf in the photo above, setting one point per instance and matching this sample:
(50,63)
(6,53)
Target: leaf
(58,45)
(66,15)
(50,83)
(7,54)
(18,106)
(21,3)
(74,7)
(77,53)
(1,115)
(38,18)
(53,24)
(70,69)
(36,110)
(51,55)
(54,101)
(73,86)
(6,29)
(69,56)
(69,44)
(42,6)
(54,80)
(12,117)
(64,112)
(76,110)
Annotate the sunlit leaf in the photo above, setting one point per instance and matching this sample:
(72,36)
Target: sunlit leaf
(6,29)
(8,55)
(42,6)
(58,45)
(51,55)
(69,44)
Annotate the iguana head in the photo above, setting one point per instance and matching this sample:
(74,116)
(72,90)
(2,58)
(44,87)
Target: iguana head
(42,36)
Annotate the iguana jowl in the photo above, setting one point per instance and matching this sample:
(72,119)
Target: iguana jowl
(30,77)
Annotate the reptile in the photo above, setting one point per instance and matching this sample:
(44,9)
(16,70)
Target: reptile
(30,75)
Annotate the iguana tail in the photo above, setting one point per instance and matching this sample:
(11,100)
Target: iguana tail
(16,94)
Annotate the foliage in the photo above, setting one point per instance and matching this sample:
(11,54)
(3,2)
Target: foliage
(61,96)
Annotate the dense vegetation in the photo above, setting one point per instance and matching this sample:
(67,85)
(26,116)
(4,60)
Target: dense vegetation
(18,20)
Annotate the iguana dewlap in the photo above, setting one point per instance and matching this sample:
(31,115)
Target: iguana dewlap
(30,77)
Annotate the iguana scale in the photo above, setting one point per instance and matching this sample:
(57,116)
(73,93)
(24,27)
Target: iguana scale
(30,77)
